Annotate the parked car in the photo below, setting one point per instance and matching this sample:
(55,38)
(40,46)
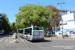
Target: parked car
(49,33)
(59,33)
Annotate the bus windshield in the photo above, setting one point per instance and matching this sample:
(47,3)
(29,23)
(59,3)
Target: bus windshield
(37,28)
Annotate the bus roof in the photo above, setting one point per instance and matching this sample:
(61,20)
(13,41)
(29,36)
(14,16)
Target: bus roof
(25,28)
(29,27)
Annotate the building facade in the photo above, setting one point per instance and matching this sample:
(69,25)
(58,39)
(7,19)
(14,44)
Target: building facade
(67,23)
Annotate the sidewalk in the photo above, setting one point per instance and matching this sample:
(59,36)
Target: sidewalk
(59,38)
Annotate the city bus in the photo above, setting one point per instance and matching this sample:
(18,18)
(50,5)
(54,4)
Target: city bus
(32,33)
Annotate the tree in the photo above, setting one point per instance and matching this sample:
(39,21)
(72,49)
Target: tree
(11,25)
(52,8)
(54,20)
(4,22)
(19,25)
(33,15)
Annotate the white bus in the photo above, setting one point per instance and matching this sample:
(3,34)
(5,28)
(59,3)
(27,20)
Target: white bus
(32,33)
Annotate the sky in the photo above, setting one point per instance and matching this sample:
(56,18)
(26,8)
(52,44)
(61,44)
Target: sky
(11,7)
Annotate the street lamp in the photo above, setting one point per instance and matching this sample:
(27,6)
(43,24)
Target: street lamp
(61,3)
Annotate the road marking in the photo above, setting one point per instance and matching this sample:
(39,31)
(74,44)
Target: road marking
(22,40)
(19,38)
(2,39)
(65,47)
(6,40)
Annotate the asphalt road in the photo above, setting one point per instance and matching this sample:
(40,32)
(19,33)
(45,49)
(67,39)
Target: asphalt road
(39,45)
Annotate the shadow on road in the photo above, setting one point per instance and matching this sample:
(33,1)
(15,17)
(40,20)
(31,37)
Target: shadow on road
(41,41)
(5,35)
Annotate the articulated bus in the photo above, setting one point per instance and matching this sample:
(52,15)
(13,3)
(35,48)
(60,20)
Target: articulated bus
(32,33)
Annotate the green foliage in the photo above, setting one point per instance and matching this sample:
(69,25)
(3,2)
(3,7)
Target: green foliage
(33,15)
(11,25)
(18,25)
(4,22)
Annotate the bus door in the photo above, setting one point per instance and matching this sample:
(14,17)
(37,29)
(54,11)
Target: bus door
(28,33)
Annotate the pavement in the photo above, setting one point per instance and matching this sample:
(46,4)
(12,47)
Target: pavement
(46,44)
(59,38)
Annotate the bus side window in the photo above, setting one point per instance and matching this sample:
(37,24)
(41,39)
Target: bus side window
(21,31)
(28,31)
